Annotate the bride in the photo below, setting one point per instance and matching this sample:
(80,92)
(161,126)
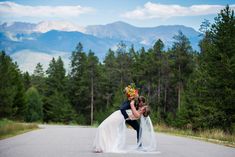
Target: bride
(111,133)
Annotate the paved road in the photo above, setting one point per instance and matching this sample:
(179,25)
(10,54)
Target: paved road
(76,141)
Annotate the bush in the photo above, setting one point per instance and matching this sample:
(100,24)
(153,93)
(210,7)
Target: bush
(34,105)
(170,119)
(81,119)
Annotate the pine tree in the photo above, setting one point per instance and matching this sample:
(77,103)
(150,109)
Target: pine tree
(38,79)
(158,50)
(110,77)
(57,107)
(182,51)
(12,99)
(93,73)
(60,110)
(136,65)
(149,75)
(209,99)
(168,83)
(7,86)
(26,80)
(20,101)
(79,83)
(219,65)
(123,64)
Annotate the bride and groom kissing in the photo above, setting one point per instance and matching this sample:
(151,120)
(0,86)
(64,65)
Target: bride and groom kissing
(111,133)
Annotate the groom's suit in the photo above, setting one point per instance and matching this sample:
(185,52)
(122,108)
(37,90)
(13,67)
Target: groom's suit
(125,106)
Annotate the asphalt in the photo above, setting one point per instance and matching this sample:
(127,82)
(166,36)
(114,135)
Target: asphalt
(76,141)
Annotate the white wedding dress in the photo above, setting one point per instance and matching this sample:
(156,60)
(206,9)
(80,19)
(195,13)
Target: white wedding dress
(111,134)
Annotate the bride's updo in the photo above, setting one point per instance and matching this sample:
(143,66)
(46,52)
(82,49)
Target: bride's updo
(147,110)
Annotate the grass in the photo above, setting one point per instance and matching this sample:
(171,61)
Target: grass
(214,135)
(10,128)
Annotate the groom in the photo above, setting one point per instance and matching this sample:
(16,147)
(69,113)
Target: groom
(125,106)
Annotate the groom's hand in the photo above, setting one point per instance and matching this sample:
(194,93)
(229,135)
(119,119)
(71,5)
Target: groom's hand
(131,117)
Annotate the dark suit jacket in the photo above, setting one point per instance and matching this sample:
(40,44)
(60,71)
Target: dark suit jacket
(125,106)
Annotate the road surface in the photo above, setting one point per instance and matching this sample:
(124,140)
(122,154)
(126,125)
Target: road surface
(76,141)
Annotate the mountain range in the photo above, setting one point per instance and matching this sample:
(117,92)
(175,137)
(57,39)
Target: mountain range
(56,37)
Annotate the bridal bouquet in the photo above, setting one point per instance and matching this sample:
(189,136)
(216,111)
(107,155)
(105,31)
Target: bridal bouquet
(131,92)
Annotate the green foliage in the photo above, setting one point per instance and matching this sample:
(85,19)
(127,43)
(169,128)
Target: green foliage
(119,98)
(170,119)
(79,83)
(101,116)
(26,80)
(222,58)
(38,79)
(60,110)
(182,119)
(34,104)
(12,101)
(210,95)
(57,107)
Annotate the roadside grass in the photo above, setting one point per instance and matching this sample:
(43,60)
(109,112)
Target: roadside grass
(214,135)
(9,128)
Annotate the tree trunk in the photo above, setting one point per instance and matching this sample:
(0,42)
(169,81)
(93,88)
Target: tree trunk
(107,102)
(165,96)
(159,89)
(179,92)
(179,88)
(149,90)
(92,99)
(108,98)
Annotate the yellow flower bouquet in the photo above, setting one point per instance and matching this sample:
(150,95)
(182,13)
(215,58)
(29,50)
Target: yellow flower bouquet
(131,92)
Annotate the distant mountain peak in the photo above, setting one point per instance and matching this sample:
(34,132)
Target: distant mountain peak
(120,23)
(46,26)
(141,35)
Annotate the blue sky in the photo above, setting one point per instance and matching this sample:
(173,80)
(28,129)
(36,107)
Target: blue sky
(142,13)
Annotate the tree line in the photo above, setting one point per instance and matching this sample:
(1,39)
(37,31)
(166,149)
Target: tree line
(185,88)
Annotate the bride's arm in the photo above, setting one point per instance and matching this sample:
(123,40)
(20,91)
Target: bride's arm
(133,109)
(132,117)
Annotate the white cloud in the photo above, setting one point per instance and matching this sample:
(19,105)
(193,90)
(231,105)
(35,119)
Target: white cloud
(162,11)
(11,9)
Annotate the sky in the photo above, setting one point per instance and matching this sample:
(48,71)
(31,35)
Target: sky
(140,13)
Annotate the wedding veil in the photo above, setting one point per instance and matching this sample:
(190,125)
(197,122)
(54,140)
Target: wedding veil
(147,136)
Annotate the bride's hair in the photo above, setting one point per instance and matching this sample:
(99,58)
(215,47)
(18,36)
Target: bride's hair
(147,110)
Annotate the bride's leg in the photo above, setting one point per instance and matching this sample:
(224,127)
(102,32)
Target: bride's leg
(135,125)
